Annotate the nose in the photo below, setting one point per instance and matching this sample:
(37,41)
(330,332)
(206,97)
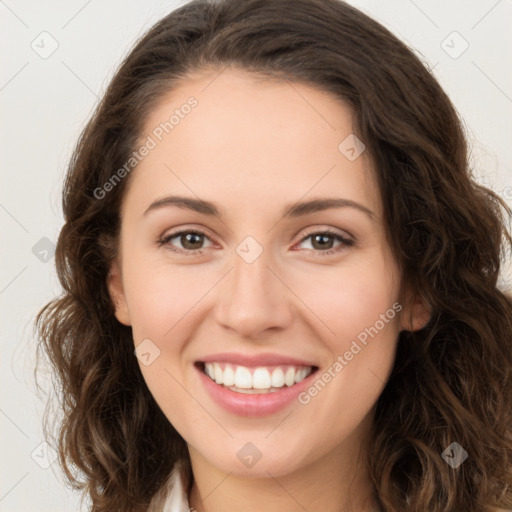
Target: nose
(254,299)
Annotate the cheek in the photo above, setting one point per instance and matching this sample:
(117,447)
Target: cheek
(160,298)
(352,297)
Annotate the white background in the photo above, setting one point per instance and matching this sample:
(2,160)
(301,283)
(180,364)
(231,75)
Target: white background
(45,103)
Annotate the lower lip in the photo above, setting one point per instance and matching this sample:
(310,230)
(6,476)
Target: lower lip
(261,404)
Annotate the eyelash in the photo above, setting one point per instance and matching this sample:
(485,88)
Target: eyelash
(345,242)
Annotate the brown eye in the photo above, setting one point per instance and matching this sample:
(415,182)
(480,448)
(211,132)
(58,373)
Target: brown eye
(191,242)
(322,241)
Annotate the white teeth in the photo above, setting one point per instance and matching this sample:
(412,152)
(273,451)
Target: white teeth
(300,375)
(218,374)
(277,378)
(228,377)
(289,378)
(260,378)
(243,378)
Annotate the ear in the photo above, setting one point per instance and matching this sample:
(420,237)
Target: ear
(416,314)
(116,290)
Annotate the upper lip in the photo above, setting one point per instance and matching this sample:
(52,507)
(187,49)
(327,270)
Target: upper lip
(264,359)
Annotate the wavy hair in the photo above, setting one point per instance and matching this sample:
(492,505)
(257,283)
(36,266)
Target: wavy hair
(452,380)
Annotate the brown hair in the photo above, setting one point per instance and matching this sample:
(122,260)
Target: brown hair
(452,379)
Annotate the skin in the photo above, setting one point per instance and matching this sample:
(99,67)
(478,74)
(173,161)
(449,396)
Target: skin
(252,146)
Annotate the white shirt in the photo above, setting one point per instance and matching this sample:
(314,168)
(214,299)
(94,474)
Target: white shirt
(172,497)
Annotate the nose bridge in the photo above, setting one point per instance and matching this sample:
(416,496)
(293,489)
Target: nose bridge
(253,299)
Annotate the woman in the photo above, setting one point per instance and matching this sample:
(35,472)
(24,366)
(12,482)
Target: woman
(280,277)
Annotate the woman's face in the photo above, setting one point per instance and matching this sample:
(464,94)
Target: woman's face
(271,287)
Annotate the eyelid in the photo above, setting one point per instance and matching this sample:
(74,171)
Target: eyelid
(346,238)
(327,229)
(314,229)
(187,229)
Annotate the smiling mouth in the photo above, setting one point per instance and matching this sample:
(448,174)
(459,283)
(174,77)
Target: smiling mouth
(255,380)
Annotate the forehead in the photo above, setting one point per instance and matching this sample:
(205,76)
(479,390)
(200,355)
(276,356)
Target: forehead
(253,141)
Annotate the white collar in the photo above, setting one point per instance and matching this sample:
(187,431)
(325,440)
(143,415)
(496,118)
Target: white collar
(172,497)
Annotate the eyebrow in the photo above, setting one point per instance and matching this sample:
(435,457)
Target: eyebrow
(294,210)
